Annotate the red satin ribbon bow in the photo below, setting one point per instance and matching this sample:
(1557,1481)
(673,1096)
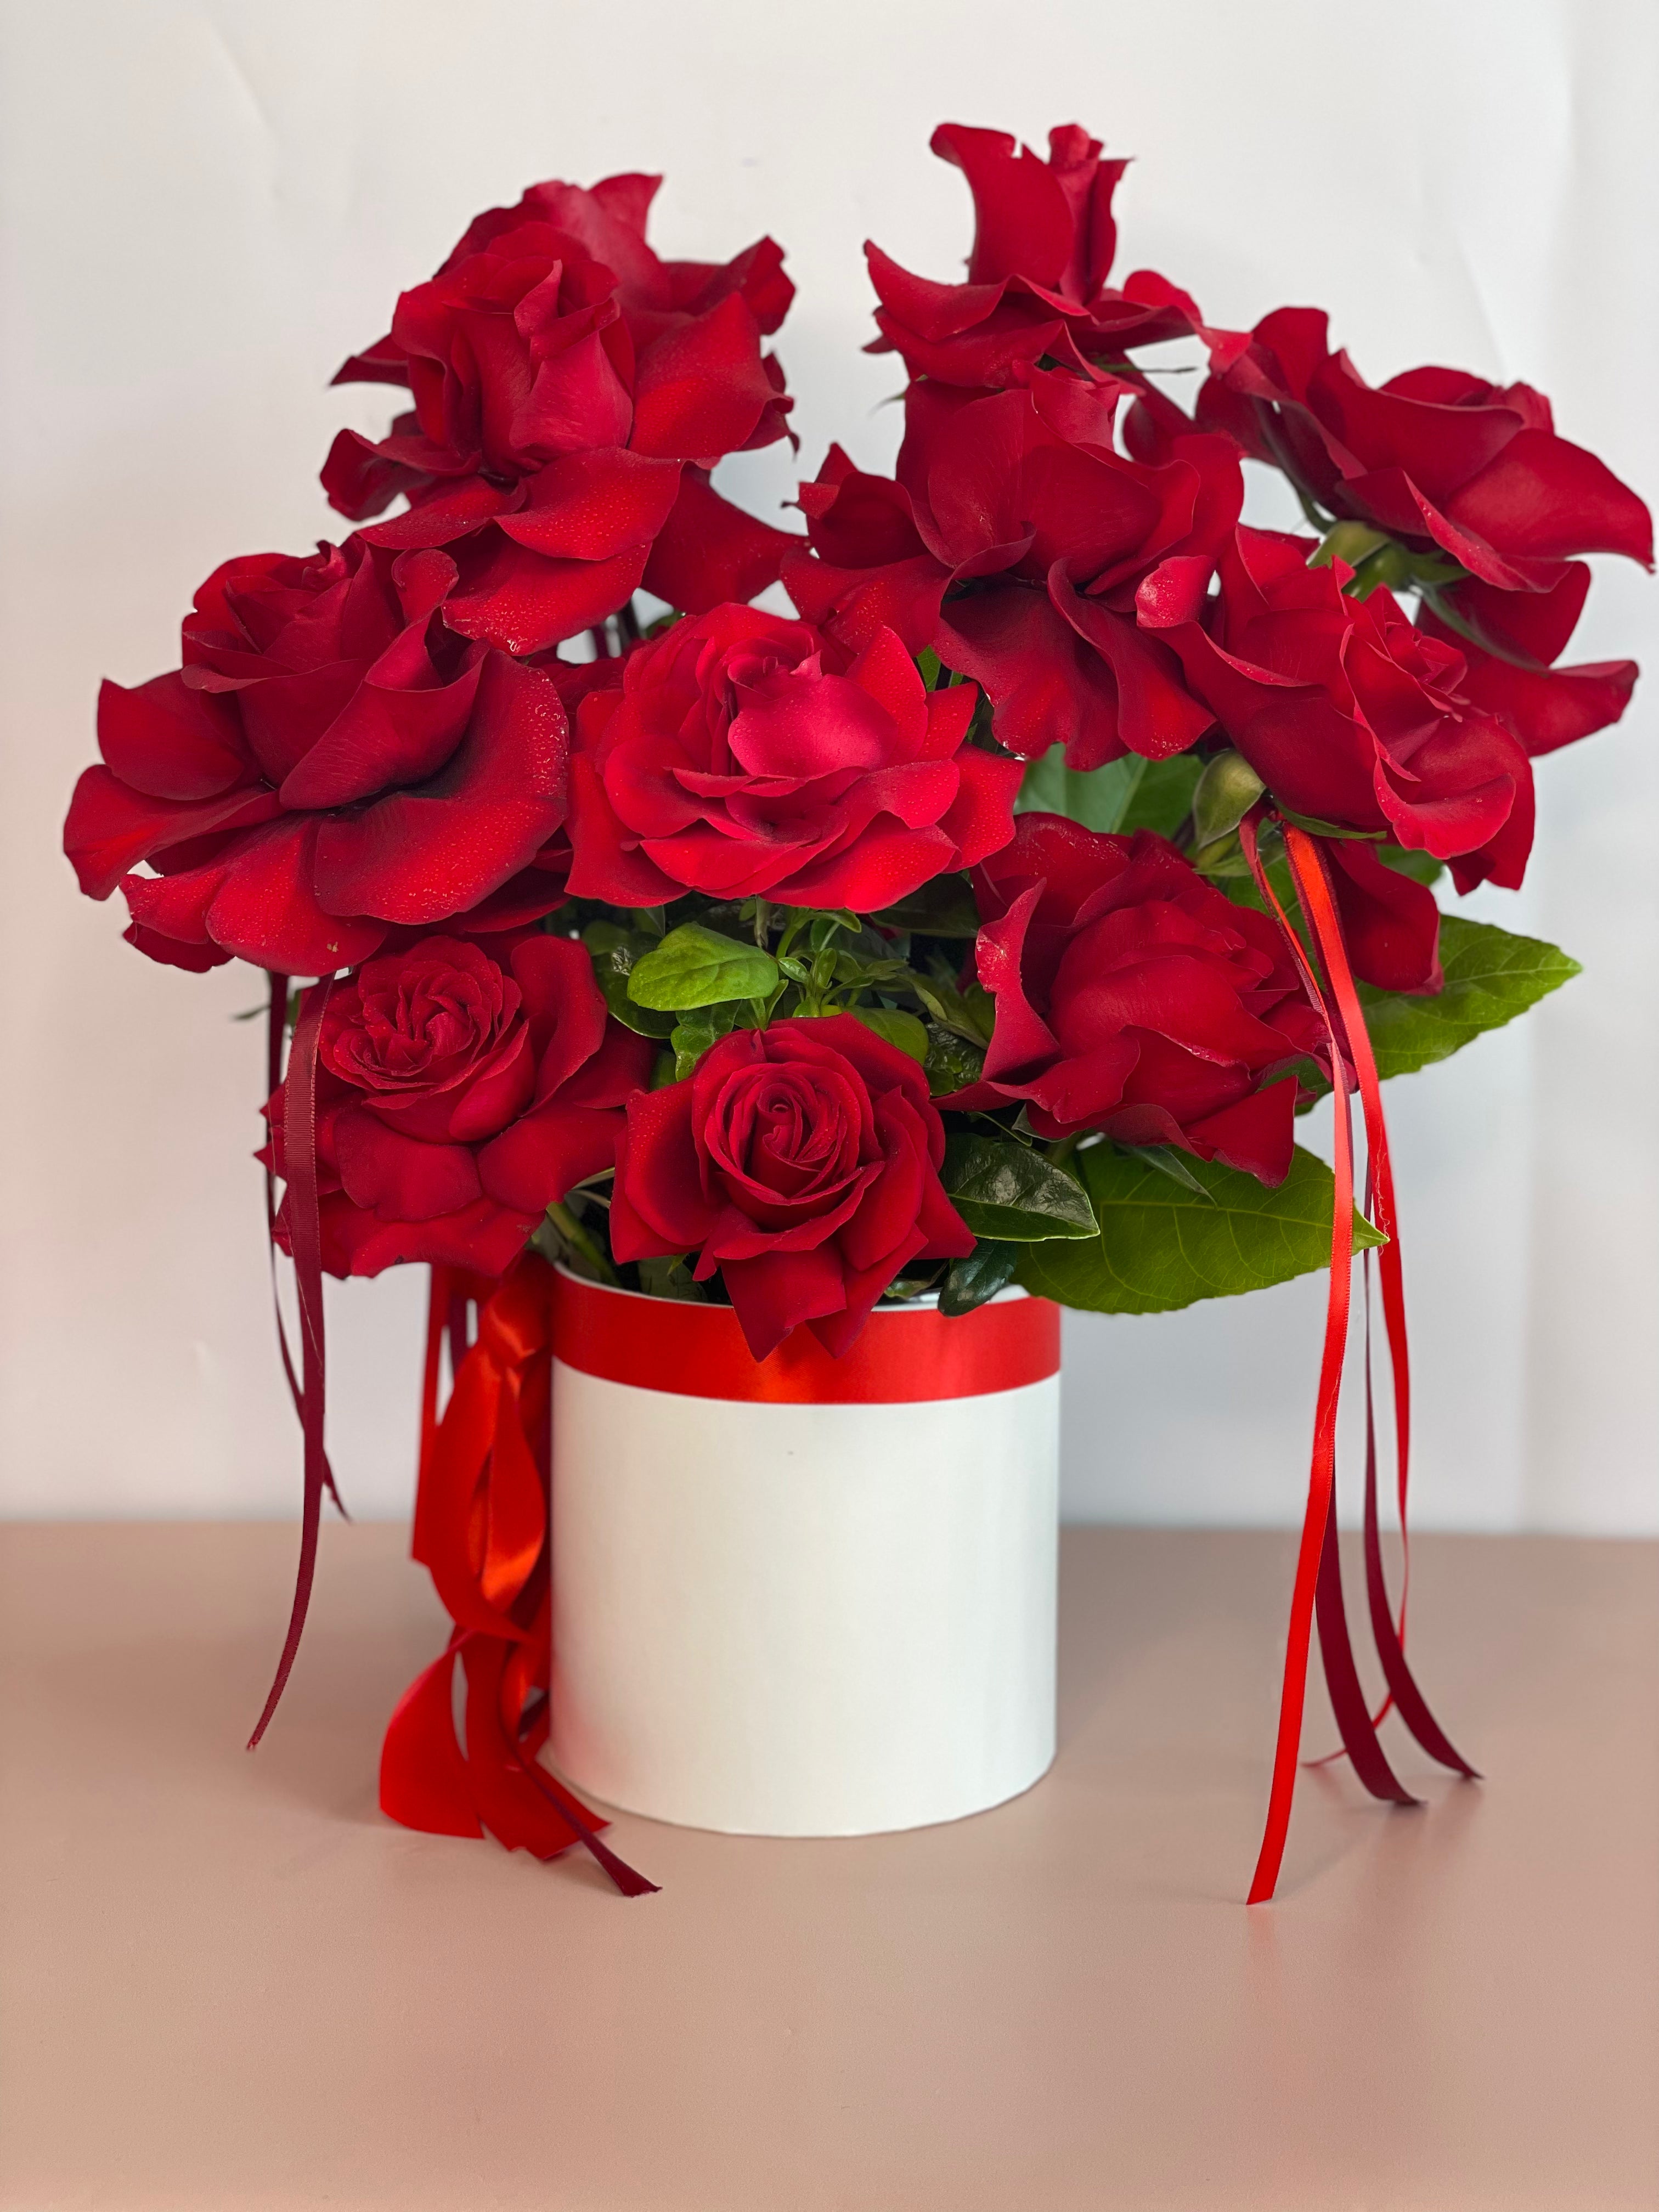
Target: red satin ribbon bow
(481,1524)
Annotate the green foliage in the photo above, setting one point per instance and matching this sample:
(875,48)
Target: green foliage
(904,1030)
(1126,795)
(670,1278)
(969,1014)
(1011,1193)
(696,967)
(944,907)
(1225,793)
(1491,975)
(1161,1246)
(988,1269)
(952,1063)
(613,950)
(1421,868)
(694,1031)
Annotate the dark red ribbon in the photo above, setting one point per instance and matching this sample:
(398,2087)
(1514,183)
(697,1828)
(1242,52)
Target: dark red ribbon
(306,1242)
(481,1530)
(1317,1591)
(276,1037)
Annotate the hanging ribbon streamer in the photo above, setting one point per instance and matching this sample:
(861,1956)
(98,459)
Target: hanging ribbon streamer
(1310,872)
(1317,1591)
(481,1530)
(306,1242)
(276,1037)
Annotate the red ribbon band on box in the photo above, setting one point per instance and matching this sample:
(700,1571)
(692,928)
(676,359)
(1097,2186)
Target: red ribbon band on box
(905,1354)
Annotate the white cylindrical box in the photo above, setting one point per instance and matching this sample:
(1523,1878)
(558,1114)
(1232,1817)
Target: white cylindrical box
(801,1618)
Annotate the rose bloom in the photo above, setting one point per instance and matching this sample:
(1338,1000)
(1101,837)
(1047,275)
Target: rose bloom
(1452,466)
(1023,548)
(1134,998)
(1351,715)
(743,754)
(571,392)
(459,1095)
(1510,641)
(803,1162)
(1044,240)
(331,761)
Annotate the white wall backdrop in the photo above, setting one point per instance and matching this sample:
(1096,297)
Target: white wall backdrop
(207,206)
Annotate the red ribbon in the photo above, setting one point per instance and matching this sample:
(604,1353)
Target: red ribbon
(905,1355)
(306,1241)
(481,1524)
(275,1035)
(1317,1591)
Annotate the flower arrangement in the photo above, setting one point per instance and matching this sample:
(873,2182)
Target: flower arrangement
(989,919)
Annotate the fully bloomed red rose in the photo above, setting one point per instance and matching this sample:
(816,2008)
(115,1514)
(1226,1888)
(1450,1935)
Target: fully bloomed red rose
(1026,550)
(458,1097)
(571,392)
(1351,715)
(1044,239)
(745,755)
(1133,997)
(331,761)
(803,1162)
(1450,465)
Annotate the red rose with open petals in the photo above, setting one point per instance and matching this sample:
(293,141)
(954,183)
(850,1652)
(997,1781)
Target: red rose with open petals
(1044,238)
(1510,641)
(1451,465)
(803,1162)
(331,760)
(747,755)
(1131,997)
(571,392)
(1351,715)
(1435,457)
(459,1097)
(1021,546)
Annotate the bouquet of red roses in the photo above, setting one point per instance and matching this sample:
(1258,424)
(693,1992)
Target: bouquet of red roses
(988,920)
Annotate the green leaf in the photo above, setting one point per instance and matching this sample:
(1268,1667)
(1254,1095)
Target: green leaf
(988,1269)
(1162,794)
(971,1013)
(694,1031)
(1126,795)
(903,1030)
(952,1063)
(1421,868)
(1009,1192)
(695,967)
(1161,1246)
(1492,976)
(944,907)
(670,1278)
(614,951)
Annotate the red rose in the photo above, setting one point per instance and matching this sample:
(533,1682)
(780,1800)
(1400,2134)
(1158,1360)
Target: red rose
(330,761)
(1511,675)
(1131,997)
(745,754)
(803,1162)
(1450,465)
(1043,243)
(458,1099)
(562,377)
(1351,715)
(1042,541)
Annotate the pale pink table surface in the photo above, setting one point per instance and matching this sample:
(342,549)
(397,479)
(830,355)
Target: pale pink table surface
(225,1982)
